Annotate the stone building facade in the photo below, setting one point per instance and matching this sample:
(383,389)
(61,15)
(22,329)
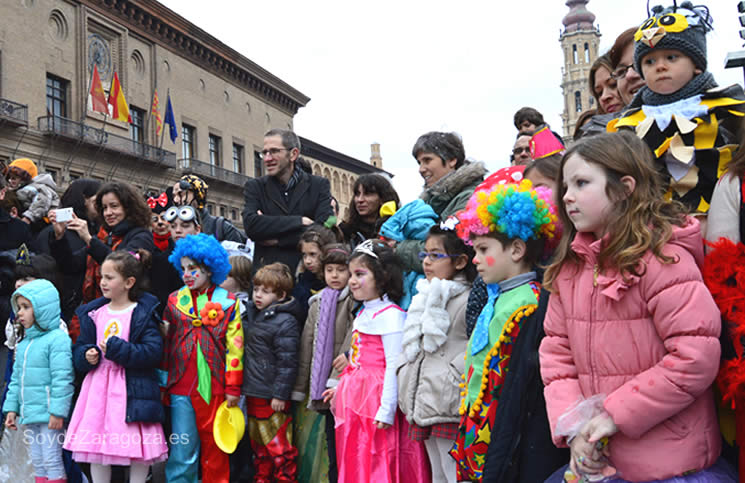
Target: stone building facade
(579,40)
(223,102)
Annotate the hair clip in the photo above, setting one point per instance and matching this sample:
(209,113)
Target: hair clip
(450,224)
(23,257)
(136,255)
(366,247)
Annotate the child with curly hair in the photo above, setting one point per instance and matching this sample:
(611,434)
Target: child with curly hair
(503,416)
(203,357)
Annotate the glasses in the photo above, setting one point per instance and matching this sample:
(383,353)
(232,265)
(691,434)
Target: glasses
(272,151)
(434,256)
(183,213)
(621,71)
(518,151)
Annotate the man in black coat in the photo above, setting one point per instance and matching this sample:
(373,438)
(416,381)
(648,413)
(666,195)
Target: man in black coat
(280,205)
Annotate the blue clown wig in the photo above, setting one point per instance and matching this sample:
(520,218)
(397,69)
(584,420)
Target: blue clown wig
(206,251)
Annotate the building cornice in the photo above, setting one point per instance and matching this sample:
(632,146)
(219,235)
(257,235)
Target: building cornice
(334,158)
(165,27)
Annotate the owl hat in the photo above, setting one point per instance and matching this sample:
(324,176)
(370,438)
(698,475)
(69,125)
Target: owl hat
(682,28)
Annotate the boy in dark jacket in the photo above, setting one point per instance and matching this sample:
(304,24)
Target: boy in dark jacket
(272,335)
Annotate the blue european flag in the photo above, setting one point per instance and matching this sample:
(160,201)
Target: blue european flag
(169,119)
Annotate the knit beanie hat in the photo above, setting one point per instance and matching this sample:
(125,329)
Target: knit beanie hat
(25,165)
(682,28)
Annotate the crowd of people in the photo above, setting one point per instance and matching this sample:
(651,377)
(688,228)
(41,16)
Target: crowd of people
(575,317)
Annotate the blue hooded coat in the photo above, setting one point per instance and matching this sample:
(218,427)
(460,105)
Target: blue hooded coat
(140,356)
(411,222)
(42,381)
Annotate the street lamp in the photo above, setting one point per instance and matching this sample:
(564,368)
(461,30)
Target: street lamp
(737,58)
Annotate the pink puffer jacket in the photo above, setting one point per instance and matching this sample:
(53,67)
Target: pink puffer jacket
(650,345)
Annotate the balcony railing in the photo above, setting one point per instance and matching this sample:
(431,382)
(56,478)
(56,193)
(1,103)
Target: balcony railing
(78,131)
(201,168)
(13,112)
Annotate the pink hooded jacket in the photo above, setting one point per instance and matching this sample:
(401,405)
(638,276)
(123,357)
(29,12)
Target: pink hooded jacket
(650,345)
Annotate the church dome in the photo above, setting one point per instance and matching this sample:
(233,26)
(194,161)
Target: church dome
(578,18)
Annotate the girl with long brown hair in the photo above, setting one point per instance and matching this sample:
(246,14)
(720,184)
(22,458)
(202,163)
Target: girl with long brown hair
(631,329)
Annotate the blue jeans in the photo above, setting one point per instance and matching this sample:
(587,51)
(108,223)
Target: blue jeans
(183,460)
(45,446)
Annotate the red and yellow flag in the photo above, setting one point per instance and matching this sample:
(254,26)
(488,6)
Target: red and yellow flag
(98,96)
(118,103)
(156,114)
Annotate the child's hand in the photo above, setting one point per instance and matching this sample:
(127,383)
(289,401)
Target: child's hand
(329,394)
(585,457)
(278,405)
(232,400)
(599,427)
(55,422)
(91,355)
(10,421)
(340,362)
(102,346)
(382,425)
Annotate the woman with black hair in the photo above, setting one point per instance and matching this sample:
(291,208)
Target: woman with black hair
(125,226)
(371,191)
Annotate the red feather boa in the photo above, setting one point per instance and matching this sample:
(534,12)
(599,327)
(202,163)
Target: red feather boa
(724,275)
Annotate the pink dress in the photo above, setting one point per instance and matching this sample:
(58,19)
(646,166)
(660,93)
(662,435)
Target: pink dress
(98,431)
(364,452)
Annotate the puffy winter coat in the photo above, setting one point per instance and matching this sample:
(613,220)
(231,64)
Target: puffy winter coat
(41,384)
(271,347)
(139,356)
(650,344)
(38,197)
(345,306)
(429,374)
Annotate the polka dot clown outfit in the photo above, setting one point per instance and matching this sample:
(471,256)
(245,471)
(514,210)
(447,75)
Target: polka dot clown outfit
(517,211)
(203,359)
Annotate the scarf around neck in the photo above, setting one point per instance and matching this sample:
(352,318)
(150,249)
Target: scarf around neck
(698,85)
(324,346)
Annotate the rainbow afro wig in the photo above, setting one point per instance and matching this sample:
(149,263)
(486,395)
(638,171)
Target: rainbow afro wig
(515,210)
(206,251)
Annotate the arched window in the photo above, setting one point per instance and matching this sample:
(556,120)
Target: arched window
(577,101)
(587,53)
(574,53)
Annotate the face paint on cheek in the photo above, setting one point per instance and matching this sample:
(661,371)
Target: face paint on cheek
(490,261)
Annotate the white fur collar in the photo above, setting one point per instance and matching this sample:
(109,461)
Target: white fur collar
(428,321)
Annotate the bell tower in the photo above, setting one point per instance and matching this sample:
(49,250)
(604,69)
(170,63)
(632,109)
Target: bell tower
(579,42)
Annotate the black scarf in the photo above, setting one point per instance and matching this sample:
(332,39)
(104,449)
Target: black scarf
(698,85)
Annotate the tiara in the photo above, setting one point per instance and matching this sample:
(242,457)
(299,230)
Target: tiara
(366,247)
(450,224)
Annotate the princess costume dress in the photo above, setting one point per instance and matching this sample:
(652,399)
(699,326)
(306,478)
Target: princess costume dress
(98,431)
(367,392)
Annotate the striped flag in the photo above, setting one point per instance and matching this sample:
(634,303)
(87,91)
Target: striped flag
(154,110)
(117,101)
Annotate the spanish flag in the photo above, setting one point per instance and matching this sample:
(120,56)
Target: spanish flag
(98,96)
(154,110)
(120,111)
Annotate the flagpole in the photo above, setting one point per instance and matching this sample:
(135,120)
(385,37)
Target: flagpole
(87,93)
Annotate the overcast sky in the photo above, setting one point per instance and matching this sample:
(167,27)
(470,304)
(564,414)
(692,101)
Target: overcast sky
(389,71)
